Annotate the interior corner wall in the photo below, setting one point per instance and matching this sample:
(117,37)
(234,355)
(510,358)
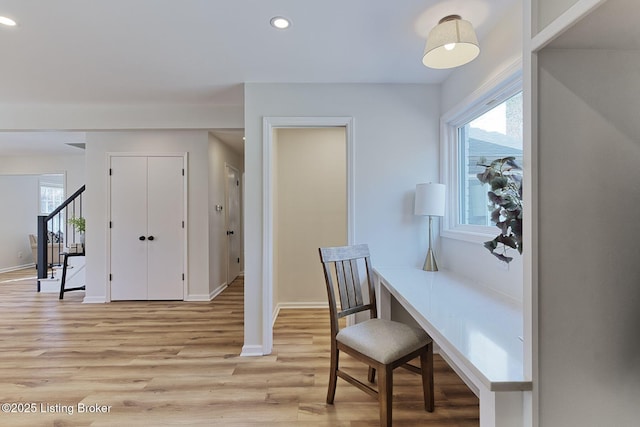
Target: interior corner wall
(99,144)
(396,135)
(589,199)
(311,210)
(501,49)
(220,155)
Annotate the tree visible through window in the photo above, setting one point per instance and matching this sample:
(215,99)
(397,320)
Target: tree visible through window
(495,134)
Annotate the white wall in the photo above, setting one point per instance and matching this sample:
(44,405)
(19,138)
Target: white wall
(549,10)
(589,201)
(311,212)
(18,219)
(219,155)
(24,171)
(196,144)
(125,117)
(396,146)
(501,50)
(72,166)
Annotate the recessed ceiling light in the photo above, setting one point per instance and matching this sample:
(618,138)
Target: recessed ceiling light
(280,23)
(7,21)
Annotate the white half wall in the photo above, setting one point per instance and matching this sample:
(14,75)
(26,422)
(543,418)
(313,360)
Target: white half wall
(196,144)
(589,201)
(396,146)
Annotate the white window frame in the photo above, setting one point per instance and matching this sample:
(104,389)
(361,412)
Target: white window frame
(45,180)
(494,92)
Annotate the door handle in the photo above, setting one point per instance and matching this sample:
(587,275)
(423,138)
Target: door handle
(229,232)
(150,237)
(141,238)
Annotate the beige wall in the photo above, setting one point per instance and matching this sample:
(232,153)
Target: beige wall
(310,209)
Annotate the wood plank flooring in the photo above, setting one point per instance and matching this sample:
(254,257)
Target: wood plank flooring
(177,363)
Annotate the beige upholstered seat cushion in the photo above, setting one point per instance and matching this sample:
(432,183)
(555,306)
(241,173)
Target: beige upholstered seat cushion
(383,340)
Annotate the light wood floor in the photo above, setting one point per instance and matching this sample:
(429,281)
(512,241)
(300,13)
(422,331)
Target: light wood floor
(177,363)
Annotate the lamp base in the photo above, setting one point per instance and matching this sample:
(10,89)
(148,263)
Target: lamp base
(430,262)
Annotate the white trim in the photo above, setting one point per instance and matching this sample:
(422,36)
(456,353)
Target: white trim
(94,300)
(218,291)
(499,88)
(207,297)
(562,23)
(252,351)
(268,125)
(530,216)
(18,267)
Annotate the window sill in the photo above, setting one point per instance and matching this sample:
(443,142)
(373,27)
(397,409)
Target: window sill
(470,234)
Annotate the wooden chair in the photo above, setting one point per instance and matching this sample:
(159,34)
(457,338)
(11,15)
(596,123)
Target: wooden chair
(382,344)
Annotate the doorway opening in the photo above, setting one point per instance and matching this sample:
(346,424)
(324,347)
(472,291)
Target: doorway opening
(272,218)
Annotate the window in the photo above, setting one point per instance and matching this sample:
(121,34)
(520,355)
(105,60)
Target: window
(488,128)
(50,196)
(495,134)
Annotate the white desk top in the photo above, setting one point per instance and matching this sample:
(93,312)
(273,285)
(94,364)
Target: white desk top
(483,330)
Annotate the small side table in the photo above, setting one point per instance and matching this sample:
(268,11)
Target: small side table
(65,263)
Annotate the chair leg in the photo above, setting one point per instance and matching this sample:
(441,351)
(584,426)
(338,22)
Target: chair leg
(426,366)
(372,374)
(333,376)
(385,395)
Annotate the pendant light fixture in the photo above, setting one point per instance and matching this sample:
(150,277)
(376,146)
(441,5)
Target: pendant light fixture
(451,43)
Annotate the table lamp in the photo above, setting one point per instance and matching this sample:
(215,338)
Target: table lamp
(430,202)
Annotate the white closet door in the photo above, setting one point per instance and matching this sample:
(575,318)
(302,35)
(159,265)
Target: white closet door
(165,203)
(129,223)
(147,234)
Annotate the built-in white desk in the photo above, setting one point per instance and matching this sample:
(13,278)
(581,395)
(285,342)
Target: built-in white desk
(477,331)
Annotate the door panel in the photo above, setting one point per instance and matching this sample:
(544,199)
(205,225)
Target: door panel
(129,222)
(165,216)
(233,223)
(147,210)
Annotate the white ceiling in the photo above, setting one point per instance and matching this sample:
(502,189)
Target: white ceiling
(202,51)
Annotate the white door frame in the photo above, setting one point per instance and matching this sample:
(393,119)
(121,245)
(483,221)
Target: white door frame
(185,241)
(268,126)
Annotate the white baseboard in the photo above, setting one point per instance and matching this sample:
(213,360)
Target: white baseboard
(296,305)
(94,300)
(17,267)
(251,351)
(217,291)
(206,297)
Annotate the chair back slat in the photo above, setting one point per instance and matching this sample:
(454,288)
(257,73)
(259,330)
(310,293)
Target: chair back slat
(343,262)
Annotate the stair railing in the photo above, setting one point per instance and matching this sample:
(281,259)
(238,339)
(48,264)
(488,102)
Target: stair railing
(54,229)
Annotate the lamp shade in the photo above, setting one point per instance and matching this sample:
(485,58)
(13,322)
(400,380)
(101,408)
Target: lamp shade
(451,43)
(430,199)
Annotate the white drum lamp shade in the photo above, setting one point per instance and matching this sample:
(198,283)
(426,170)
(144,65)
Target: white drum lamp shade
(430,199)
(451,43)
